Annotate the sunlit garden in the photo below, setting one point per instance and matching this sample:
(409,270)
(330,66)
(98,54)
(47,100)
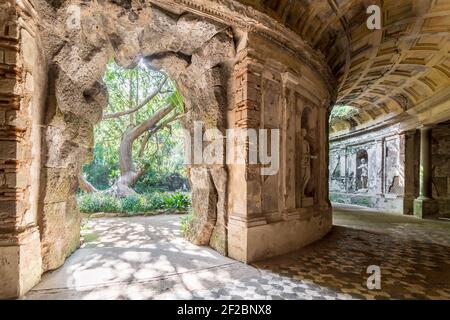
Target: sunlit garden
(137,165)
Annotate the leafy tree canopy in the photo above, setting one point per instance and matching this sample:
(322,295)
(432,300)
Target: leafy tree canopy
(160,152)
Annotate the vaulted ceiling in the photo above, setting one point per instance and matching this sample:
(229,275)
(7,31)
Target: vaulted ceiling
(403,68)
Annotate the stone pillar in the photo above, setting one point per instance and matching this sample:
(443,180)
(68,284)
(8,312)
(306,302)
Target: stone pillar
(424,204)
(267,213)
(245,192)
(379,147)
(20,251)
(410,158)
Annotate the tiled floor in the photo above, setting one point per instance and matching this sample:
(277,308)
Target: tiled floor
(145,258)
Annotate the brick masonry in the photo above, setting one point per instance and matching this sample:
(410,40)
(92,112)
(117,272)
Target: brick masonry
(20,266)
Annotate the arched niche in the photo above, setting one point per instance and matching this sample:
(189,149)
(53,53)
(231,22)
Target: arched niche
(362,170)
(307,149)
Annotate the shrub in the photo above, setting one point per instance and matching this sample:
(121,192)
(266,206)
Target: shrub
(186,223)
(99,202)
(177,200)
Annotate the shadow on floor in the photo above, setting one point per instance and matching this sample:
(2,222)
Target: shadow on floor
(413,256)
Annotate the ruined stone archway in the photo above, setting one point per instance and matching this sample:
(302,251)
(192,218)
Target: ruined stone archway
(195,53)
(230,77)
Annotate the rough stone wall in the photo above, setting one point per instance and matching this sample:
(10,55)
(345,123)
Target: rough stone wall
(52,60)
(196,52)
(384,153)
(441,167)
(20,258)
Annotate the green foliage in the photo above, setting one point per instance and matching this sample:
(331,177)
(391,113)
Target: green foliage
(337,198)
(90,237)
(362,201)
(343,112)
(100,202)
(177,201)
(186,222)
(163,154)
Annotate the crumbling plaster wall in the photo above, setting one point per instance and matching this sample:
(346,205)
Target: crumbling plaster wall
(385,170)
(441,167)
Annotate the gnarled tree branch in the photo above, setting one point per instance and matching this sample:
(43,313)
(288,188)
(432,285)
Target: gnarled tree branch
(139,106)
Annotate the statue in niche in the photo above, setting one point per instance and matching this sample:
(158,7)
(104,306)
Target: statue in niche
(364,173)
(305,164)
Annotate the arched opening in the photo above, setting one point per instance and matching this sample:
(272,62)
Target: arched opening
(78,100)
(138,144)
(137,164)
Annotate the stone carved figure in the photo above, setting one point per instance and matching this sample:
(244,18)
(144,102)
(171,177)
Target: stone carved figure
(305,163)
(364,173)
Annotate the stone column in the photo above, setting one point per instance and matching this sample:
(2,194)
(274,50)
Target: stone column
(409,160)
(271,91)
(379,145)
(424,204)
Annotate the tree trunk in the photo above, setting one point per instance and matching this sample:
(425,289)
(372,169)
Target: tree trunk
(85,185)
(129,174)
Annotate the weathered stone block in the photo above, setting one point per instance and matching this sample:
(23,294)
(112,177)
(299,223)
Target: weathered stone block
(28,51)
(8,150)
(7,85)
(20,264)
(59,183)
(73,225)
(424,208)
(10,57)
(53,228)
(204,200)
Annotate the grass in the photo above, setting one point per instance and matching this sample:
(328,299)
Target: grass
(99,202)
(186,223)
(90,237)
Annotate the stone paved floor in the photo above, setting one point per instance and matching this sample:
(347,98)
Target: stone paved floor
(146,258)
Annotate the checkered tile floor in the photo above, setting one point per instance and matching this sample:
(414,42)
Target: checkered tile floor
(413,256)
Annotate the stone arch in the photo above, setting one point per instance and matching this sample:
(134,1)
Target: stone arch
(196,54)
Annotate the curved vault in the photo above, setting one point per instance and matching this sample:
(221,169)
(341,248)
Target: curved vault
(398,73)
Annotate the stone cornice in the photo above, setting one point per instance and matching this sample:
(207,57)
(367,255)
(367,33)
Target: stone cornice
(252,20)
